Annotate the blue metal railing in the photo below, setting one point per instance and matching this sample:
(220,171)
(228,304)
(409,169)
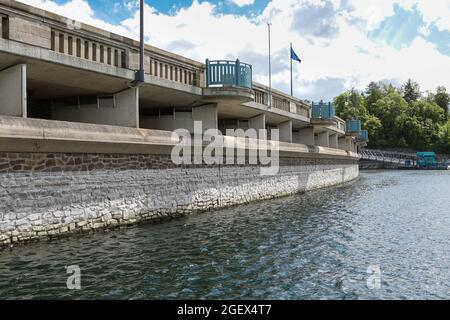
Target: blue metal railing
(363,135)
(323,110)
(353,125)
(228,73)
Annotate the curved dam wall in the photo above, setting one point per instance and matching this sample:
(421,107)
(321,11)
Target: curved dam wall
(49,186)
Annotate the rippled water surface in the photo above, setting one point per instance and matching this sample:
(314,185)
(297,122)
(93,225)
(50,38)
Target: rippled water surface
(312,246)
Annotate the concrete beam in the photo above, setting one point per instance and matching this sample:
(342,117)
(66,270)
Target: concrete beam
(125,113)
(323,139)
(13,91)
(333,140)
(207,114)
(258,123)
(286,131)
(304,136)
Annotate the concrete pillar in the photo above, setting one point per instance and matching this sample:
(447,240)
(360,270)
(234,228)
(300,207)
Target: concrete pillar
(258,123)
(119,58)
(13,91)
(333,139)
(323,139)
(127,103)
(207,114)
(304,136)
(344,144)
(56,41)
(125,112)
(66,43)
(89,57)
(285,131)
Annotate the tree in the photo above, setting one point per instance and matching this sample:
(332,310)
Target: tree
(373,93)
(350,105)
(388,110)
(442,99)
(411,91)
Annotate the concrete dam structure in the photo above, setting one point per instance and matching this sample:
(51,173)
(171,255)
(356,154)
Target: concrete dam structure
(81,148)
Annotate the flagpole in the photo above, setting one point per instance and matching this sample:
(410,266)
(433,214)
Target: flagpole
(270,69)
(290,58)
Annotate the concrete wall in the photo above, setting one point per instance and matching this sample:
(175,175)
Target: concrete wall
(49,194)
(125,113)
(304,136)
(13,91)
(322,139)
(31,32)
(169,123)
(183,120)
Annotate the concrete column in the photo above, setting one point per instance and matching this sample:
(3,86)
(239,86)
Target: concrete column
(258,123)
(125,113)
(207,114)
(127,105)
(119,58)
(56,41)
(66,44)
(82,48)
(343,144)
(333,141)
(285,131)
(304,136)
(13,91)
(97,52)
(323,139)
(89,51)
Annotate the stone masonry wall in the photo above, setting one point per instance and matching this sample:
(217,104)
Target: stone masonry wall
(46,195)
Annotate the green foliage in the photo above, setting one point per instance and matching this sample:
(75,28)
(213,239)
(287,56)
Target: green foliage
(411,91)
(399,117)
(442,99)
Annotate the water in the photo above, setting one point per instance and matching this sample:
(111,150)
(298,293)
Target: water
(312,246)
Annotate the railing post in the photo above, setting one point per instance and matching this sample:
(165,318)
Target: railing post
(237,73)
(207,73)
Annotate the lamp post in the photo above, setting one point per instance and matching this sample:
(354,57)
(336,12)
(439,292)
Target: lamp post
(140,74)
(270,67)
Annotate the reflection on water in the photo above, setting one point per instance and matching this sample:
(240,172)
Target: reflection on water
(312,246)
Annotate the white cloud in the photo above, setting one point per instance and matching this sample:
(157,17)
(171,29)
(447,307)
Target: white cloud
(343,58)
(242,3)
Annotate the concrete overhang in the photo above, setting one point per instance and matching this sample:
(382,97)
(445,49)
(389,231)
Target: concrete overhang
(53,74)
(276,116)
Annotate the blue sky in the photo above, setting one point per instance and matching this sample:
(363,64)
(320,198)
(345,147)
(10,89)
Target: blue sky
(343,43)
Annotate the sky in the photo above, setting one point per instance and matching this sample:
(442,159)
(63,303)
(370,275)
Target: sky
(343,44)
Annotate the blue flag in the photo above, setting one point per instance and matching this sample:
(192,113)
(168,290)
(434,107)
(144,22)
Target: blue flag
(294,56)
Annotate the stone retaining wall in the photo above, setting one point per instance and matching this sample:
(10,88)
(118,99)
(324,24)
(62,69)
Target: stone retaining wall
(43,195)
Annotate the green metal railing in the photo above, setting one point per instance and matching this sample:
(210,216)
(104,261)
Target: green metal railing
(228,73)
(363,135)
(353,125)
(323,110)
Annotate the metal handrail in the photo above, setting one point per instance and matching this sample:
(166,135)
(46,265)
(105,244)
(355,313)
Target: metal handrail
(228,73)
(323,110)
